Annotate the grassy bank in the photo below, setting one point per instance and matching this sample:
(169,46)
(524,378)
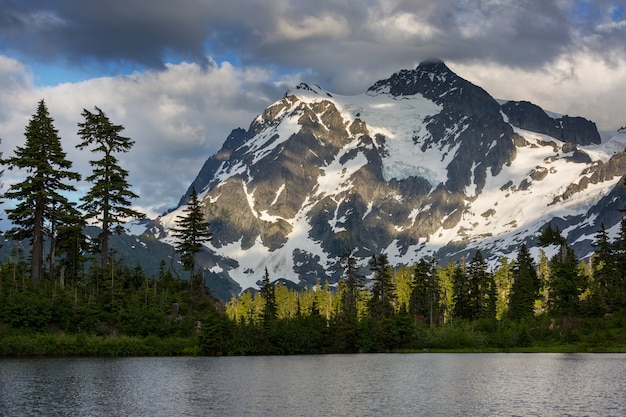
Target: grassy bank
(532,349)
(91,345)
(61,345)
(591,335)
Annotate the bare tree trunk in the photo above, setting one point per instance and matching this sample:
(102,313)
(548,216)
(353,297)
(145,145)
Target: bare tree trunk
(36,265)
(51,259)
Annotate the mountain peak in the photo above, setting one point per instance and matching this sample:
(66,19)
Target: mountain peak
(410,82)
(309,89)
(438,83)
(432,78)
(433,66)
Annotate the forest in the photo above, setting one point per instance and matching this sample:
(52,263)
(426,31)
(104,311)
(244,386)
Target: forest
(65,294)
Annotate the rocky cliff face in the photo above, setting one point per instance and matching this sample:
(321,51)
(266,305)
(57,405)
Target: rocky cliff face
(528,116)
(424,164)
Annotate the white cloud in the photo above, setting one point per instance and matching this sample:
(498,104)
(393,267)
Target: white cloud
(402,27)
(15,81)
(325,26)
(177,117)
(577,85)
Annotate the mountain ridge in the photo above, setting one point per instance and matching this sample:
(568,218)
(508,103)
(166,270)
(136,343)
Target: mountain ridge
(423,164)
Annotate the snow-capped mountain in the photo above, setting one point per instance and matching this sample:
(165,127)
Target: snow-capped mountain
(423,164)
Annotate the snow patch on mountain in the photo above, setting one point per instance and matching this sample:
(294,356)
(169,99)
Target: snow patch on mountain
(606,150)
(272,138)
(477,194)
(336,175)
(387,116)
(504,206)
(251,261)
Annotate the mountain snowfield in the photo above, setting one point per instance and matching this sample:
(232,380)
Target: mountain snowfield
(276,216)
(500,217)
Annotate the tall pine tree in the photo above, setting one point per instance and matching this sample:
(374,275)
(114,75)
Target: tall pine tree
(483,292)
(461,293)
(566,285)
(607,276)
(191,233)
(381,305)
(71,247)
(619,248)
(525,288)
(353,285)
(109,198)
(267,292)
(425,293)
(40,196)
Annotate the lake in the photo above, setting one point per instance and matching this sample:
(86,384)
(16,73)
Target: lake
(421,384)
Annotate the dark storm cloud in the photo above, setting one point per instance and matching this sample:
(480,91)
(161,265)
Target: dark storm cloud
(326,37)
(133,31)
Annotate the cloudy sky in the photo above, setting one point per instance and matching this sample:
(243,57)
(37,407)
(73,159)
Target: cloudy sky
(181,74)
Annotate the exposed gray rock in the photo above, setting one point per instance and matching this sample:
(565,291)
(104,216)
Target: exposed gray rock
(528,116)
(266,184)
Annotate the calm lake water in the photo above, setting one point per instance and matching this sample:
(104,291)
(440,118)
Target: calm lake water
(333,385)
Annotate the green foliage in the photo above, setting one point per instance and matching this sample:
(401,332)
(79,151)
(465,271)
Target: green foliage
(109,198)
(352,285)
(191,233)
(41,203)
(609,284)
(525,288)
(566,284)
(270,310)
(462,293)
(121,310)
(483,292)
(460,335)
(426,294)
(28,313)
(504,278)
(383,297)
(216,333)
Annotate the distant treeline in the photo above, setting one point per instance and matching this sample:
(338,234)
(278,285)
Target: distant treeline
(549,304)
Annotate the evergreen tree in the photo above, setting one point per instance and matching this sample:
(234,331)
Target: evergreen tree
(64,215)
(71,245)
(270,309)
(482,286)
(381,305)
(403,287)
(348,294)
(445,279)
(526,286)
(461,291)
(353,285)
(503,277)
(216,333)
(566,285)
(39,196)
(605,272)
(619,253)
(552,236)
(109,198)
(544,274)
(191,233)
(426,292)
